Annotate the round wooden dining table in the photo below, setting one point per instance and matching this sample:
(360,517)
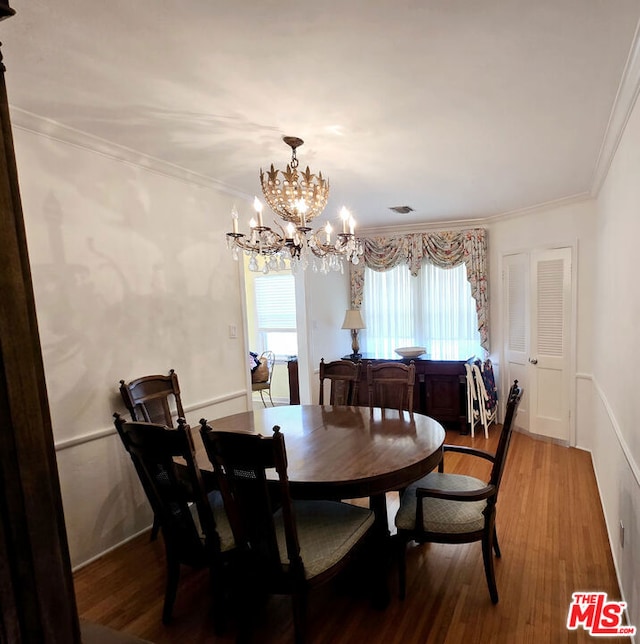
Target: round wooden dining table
(345,452)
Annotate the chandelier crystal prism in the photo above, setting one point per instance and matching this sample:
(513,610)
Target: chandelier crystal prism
(297,198)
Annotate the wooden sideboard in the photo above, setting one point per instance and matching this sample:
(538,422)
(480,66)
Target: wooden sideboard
(440,390)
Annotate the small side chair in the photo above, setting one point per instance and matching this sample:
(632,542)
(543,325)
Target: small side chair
(267,358)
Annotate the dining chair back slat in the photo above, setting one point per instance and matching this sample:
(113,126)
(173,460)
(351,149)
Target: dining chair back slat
(153,399)
(391,385)
(343,376)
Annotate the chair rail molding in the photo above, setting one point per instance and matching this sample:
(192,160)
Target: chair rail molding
(624,446)
(109,431)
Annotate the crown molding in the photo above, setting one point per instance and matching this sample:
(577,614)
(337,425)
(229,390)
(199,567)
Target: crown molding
(546,205)
(41,126)
(623,105)
(420,227)
(478,222)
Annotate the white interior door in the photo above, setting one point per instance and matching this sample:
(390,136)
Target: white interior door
(550,342)
(516,289)
(538,332)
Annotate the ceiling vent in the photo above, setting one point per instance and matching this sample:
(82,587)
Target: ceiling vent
(403,210)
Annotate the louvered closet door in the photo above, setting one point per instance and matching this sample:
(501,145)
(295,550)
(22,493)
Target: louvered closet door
(516,289)
(550,349)
(537,340)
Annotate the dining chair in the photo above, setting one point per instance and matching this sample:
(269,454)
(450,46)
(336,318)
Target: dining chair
(391,385)
(153,399)
(290,546)
(194,525)
(454,508)
(344,376)
(268,358)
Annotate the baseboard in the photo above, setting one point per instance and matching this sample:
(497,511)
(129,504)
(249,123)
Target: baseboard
(540,437)
(110,549)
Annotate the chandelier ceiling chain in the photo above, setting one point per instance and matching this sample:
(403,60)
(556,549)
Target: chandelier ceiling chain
(297,198)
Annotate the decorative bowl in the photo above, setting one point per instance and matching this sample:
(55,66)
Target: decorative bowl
(410,352)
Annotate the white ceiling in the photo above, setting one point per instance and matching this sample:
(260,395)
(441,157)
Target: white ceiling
(461,109)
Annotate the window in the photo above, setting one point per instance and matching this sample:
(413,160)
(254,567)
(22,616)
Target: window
(433,310)
(275,301)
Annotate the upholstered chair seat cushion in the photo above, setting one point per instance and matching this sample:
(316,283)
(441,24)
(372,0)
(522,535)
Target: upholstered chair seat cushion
(327,530)
(223,527)
(442,515)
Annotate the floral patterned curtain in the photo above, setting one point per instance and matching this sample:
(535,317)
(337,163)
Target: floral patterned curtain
(444,249)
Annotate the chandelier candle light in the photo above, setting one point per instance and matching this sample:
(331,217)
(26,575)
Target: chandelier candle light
(297,198)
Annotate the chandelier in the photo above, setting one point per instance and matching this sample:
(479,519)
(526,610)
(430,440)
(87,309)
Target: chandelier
(297,198)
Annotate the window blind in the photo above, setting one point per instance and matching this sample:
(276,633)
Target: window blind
(275,302)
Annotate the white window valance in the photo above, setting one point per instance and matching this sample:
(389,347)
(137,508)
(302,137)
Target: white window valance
(443,249)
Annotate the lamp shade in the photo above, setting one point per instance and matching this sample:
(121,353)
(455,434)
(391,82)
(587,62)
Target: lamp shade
(353,320)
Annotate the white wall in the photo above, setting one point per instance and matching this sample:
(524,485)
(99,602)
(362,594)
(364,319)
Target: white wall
(327,299)
(131,277)
(572,224)
(615,438)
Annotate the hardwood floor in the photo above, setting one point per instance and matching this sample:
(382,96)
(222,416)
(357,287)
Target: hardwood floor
(553,541)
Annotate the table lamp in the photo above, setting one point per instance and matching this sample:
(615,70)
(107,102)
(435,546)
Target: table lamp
(353,321)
